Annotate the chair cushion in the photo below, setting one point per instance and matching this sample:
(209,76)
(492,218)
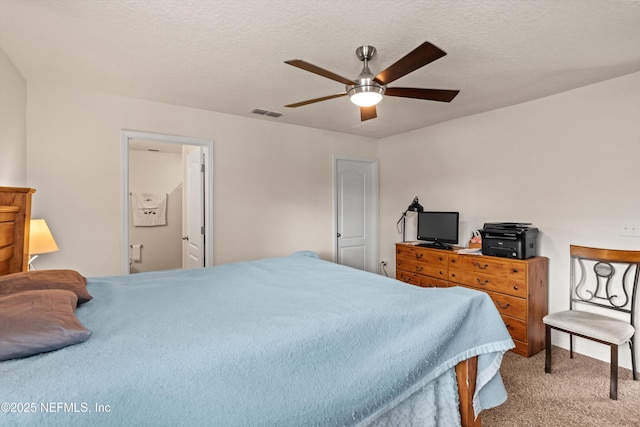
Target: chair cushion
(593,325)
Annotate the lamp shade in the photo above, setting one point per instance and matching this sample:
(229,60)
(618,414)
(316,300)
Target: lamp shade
(415,206)
(41,240)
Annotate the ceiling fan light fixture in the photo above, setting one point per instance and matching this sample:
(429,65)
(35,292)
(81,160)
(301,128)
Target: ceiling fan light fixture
(367,89)
(366,96)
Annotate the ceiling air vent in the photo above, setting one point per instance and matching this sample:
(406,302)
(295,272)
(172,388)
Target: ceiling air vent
(266,113)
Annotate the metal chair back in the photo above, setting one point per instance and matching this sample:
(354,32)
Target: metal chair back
(605,278)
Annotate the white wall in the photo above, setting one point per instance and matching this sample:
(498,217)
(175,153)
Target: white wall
(13,127)
(273,183)
(568,163)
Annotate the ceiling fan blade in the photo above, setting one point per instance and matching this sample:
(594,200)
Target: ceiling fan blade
(368,113)
(442,95)
(311,101)
(319,71)
(419,57)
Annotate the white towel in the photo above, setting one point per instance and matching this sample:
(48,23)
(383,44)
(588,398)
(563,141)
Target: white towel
(149,209)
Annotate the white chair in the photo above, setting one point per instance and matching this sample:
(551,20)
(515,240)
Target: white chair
(607,279)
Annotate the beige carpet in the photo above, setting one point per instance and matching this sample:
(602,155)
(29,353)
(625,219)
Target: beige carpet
(576,393)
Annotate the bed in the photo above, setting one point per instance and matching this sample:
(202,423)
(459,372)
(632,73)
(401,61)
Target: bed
(288,341)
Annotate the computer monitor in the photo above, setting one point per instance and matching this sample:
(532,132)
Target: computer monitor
(439,228)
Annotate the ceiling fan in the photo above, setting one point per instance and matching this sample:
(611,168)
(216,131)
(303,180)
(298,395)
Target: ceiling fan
(367,90)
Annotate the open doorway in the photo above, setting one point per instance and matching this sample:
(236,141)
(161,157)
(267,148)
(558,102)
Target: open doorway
(170,177)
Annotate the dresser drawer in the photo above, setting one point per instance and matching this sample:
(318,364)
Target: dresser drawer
(438,271)
(8,213)
(406,255)
(420,280)
(6,253)
(517,272)
(523,348)
(416,253)
(485,282)
(7,231)
(430,282)
(411,278)
(477,280)
(436,258)
(479,264)
(516,327)
(408,265)
(510,306)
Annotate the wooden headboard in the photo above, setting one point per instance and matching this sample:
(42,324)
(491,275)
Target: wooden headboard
(15,218)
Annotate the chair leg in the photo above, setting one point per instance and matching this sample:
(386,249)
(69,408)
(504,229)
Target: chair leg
(613,383)
(547,341)
(633,359)
(571,346)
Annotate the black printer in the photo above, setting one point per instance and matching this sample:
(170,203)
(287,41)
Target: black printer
(509,239)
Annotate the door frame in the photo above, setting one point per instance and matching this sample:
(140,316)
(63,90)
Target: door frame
(373,163)
(126,136)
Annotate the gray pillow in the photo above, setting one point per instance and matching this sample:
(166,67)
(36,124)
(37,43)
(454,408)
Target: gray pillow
(70,280)
(33,322)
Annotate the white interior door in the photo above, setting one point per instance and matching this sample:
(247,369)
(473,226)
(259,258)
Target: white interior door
(194,225)
(356,213)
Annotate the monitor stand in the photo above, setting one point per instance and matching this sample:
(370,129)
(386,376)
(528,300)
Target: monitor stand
(435,245)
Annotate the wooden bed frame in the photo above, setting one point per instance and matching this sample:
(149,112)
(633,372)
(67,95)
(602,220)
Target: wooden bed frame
(15,218)
(466,373)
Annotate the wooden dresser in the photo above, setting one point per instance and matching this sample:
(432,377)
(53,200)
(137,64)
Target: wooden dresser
(15,217)
(519,288)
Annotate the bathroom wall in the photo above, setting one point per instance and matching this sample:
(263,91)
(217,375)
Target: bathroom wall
(158,173)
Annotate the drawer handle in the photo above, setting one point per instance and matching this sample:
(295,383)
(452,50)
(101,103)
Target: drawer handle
(419,268)
(441,273)
(453,261)
(453,274)
(481,267)
(515,288)
(502,306)
(482,282)
(419,256)
(515,270)
(440,259)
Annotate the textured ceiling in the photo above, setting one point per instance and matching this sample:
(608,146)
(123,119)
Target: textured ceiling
(228,55)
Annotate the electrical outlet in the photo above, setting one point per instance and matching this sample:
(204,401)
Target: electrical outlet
(629,229)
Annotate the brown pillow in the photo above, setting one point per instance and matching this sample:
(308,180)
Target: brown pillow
(46,279)
(33,322)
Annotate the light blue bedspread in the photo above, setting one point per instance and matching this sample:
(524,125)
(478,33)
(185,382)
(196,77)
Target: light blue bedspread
(292,341)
